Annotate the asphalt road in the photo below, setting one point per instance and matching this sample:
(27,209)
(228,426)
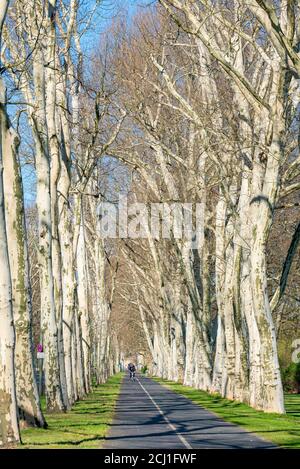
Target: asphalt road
(149,416)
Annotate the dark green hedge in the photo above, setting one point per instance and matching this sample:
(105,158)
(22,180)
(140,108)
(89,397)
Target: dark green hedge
(291,378)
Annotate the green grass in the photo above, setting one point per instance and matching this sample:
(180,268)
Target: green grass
(284,430)
(85,426)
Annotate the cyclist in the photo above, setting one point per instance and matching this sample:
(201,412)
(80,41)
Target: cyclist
(131,369)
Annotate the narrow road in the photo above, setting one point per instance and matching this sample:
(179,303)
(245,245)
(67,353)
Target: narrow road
(149,416)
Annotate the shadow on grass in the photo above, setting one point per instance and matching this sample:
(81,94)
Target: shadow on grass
(66,442)
(281,429)
(87,422)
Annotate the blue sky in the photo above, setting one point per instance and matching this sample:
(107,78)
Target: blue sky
(108,10)
(102,19)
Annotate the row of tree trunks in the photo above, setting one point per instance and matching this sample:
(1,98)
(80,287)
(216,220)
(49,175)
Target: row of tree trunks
(53,101)
(211,129)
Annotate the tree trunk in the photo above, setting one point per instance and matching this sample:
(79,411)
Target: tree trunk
(48,314)
(219,370)
(83,304)
(9,427)
(27,393)
(65,233)
(55,164)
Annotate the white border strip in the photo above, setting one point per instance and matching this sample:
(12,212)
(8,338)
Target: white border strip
(173,428)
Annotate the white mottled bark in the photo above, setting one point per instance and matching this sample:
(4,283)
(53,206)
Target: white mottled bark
(9,428)
(49,324)
(82,292)
(27,393)
(65,231)
(219,369)
(51,79)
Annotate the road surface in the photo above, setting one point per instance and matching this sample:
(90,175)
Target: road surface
(149,416)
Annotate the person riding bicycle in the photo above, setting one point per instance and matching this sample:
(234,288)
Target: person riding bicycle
(131,369)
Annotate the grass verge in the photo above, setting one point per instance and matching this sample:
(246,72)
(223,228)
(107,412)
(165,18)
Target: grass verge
(283,430)
(85,426)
